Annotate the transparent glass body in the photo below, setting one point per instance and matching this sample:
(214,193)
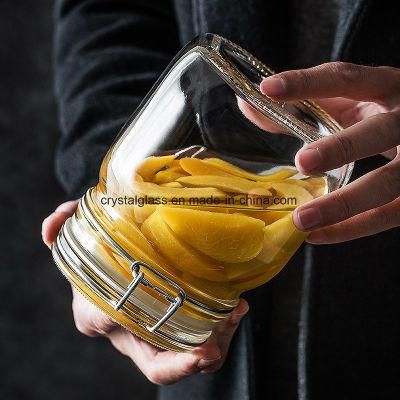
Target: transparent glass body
(195,198)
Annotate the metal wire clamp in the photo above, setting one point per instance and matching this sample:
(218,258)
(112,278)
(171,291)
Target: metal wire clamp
(139,278)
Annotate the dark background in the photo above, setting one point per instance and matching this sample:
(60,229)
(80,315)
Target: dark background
(42,356)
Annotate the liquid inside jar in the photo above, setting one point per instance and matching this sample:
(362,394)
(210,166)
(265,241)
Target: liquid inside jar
(207,220)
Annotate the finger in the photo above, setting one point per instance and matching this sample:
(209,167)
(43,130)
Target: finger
(348,112)
(223,334)
(390,154)
(52,224)
(336,79)
(372,136)
(160,367)
(257,118)
(165,367)
(89,320)
(340,108)
(372,190)
(368,223)
(129,345)
(206,358)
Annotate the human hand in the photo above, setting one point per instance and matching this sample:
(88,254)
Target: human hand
(366,101)
(159,366)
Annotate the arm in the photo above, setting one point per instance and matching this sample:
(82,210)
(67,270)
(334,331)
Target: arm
(108,53)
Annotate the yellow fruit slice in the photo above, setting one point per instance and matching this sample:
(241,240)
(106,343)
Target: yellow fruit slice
(281,238)
(195,166)
(168,175)
(172,184)
(300,182)
(260,191)
(316,186)
(158,191)
(214,289)
(130,237)
(270,251)
(138,178)
(225,237)
(178,253)
(175,164)
(267,216)
(216,209)
(225,183)
(319,185)
(316,180)
(142,213)
(103,254)
(233,170)
(250,201)
(153,164)
(292,195)
(259,279)
(240,270)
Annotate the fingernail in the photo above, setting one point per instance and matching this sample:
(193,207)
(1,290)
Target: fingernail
(308,159)
(206,363)
(306,219)
(273,86)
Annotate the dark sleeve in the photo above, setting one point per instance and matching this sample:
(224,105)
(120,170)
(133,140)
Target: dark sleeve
(107,54)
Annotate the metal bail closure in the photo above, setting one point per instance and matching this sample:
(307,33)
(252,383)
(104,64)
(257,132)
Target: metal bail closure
(138,277)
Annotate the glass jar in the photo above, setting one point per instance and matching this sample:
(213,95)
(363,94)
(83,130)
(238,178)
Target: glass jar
(195,198)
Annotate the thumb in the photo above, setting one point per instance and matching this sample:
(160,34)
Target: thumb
(52,224)
(222,336)
(228,327)
(89,320)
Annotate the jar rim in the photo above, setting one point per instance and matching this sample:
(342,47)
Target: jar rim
(211,47)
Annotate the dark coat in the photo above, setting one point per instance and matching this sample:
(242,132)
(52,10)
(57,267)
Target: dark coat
(328,326)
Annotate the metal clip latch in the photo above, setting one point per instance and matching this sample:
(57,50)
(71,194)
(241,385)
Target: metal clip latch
(138,277)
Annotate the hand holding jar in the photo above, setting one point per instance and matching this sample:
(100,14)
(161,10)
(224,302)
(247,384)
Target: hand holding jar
(366,101)
(159,366)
